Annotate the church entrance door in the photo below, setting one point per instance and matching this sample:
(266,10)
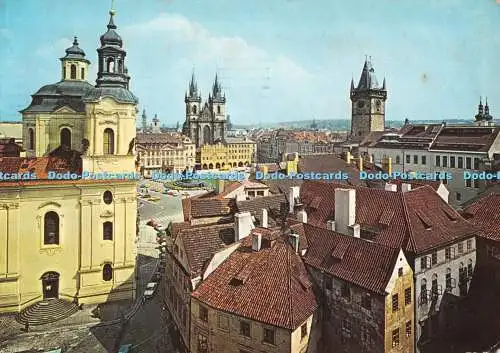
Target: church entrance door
(50,285)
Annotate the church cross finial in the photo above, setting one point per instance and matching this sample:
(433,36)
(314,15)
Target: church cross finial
(112,9)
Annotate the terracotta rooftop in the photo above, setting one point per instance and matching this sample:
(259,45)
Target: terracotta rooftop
(194,207)
(161,138)
(9,147)
(434,184)
(465,138)
(330,164)
(417,221)
(281,186)
(484,213)
(202,242)
(436,137)
(271,286)
(366,264)
(276,206)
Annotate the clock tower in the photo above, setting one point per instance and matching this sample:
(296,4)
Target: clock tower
(368,103)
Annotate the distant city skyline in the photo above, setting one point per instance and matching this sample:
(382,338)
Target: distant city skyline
(282,61)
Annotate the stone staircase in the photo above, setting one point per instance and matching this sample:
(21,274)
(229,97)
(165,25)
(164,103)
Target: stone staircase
(47,311)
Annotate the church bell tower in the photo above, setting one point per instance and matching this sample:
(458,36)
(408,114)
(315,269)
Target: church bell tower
(368,103)
(109,144)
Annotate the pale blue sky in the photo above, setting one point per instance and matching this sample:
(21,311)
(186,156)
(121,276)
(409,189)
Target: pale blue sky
(278,60)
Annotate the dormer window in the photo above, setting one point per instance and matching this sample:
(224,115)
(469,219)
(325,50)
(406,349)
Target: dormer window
(73,71)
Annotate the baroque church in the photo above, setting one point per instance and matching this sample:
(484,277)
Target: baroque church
(205,124)
(73,240)
(368,103)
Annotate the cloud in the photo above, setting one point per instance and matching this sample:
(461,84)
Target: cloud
(173,44)
(53,49)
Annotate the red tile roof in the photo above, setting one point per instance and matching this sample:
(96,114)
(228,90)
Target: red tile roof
(202,242)
(366,264)
(195,207)
(276,205)
(465,138)
(9,147)
(329,163)
(421,220)
(485,214)
(270,286)
(434,184)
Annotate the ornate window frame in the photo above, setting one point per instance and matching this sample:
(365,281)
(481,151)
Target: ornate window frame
(43,209)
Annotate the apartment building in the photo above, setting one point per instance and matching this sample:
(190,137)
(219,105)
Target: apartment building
(188,250)
(259,299)
(366,291)
(438,242)
(164,152)
(433,148)
(272,145)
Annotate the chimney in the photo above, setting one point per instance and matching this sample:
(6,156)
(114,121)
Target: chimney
(405,187)
(263,218)
(348,157)
(294,241)
(293,194)
(243,225)
(219,187)
(360,163)
(391,187)
(302,216)
(330,225)
(345,209)
(256,241)
(354,230)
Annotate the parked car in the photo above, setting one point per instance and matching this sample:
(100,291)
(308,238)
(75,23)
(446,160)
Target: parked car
(150,290)
(125,348)
(154,198)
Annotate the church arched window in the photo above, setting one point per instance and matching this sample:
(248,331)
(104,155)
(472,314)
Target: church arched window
(73,71)
(51,228)
(31,139)
(82,73)
(120,66)
(109,141)
(218,109)
(110,65)
(65,136)
(194,109)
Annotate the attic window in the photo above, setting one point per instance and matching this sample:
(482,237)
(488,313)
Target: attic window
(424,219)
(450,215)
(243,275)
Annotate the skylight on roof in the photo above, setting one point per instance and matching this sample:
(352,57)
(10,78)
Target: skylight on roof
(424,219)
(450,215)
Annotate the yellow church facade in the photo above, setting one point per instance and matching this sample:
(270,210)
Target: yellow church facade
(73,239)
